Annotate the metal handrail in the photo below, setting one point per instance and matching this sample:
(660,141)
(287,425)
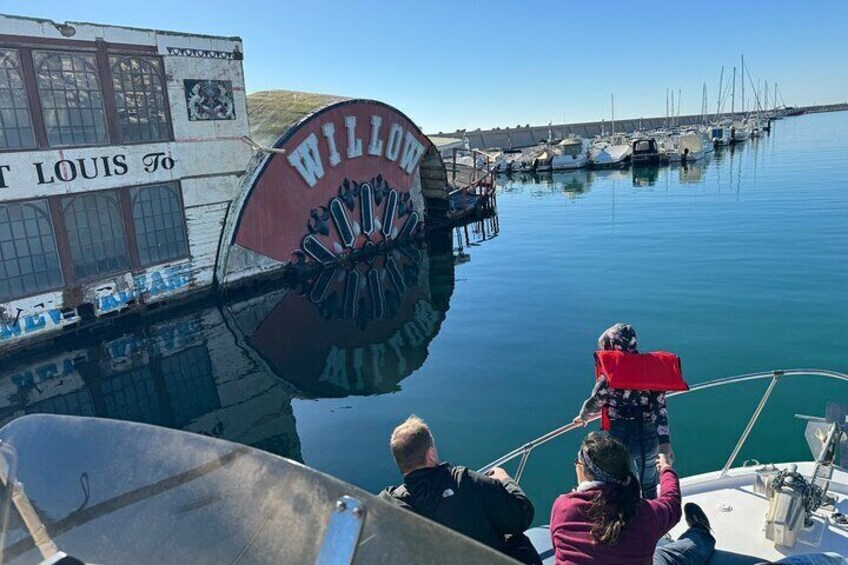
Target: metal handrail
(776,375)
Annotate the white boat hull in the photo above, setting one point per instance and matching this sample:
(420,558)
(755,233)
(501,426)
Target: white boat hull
(564,163)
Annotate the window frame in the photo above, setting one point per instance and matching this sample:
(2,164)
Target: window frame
(116,193)
(160,62)
(22,71)
(177,188)
(56,237)
(25,46)
(104,106)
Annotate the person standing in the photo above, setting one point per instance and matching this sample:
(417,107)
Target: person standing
(630,393)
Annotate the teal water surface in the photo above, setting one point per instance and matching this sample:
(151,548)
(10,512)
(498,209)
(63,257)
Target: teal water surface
(738,264)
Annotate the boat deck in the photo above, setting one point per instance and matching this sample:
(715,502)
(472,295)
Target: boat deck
(738,515)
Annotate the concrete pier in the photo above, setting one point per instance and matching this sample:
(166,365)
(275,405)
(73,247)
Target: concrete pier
(528,136)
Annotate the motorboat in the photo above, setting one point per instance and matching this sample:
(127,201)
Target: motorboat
(108,491)
(738,132)
(690,147)
(645,151)
(613,152)
(720,135)
(758,511)
(542,161)
(571,153)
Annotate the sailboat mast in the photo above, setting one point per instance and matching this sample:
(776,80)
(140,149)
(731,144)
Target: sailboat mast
(743,84)
(612,104)
(672,107)
(704,104)
(733,93)
(765,102)
(720,93)
(679,100)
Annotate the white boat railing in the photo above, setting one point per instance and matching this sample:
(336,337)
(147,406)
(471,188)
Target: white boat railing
(525,450)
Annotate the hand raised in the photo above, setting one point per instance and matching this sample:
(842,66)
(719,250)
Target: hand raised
(498,474)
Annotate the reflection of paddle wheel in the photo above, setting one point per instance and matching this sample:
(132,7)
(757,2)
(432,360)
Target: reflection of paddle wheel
(363,219)
(358,329)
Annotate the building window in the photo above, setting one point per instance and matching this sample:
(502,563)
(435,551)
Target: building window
(29,262)
(15,122)
(159,224)
(96,234)
(71,99)
(139,98)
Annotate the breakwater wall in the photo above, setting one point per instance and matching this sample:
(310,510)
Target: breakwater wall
(519,137)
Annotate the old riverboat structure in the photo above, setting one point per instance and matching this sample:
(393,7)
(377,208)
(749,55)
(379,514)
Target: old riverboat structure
(135,169)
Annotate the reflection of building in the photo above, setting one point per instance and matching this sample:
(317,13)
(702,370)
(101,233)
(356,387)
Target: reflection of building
(186,373)
(231,371)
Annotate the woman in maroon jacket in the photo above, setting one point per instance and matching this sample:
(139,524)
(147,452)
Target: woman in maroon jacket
(605,520)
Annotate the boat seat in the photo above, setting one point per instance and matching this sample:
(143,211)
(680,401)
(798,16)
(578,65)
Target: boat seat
(540,536)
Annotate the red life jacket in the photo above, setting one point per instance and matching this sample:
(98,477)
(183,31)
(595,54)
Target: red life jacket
(657,371)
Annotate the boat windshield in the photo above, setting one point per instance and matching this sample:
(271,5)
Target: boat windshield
(571,148)
(120,492)
(643,145)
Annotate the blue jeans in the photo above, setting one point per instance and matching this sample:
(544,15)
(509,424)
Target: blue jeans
(694,547)
(644,446)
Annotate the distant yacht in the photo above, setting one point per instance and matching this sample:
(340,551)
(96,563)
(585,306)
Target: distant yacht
(571,153)
(613,152)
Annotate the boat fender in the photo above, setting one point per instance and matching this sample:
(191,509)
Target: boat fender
(657,371)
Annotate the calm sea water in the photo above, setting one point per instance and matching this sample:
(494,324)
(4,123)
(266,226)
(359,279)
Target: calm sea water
(738,264)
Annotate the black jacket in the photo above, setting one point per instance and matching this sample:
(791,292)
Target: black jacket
(466,501)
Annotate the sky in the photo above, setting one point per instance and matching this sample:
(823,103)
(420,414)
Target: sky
(464,65)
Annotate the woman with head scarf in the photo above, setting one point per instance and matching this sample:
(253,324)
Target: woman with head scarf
(605,520)
(636,416)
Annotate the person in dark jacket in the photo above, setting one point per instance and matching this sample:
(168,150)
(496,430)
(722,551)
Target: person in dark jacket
(491,509)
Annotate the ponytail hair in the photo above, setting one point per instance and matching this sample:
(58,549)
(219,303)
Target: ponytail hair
(615,505)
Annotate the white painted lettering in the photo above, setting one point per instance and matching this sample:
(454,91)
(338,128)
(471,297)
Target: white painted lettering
(394,141)
(354,144)
(413,150)
(329,131)
(376,145)
(307,160)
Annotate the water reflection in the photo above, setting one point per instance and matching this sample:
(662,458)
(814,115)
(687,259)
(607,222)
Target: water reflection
(692,173)
(645,175)
(231,370)
(550,184)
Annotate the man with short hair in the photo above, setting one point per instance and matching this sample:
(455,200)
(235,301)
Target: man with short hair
(491,508)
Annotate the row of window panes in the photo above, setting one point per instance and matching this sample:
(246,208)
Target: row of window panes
(72,99)
(29,257)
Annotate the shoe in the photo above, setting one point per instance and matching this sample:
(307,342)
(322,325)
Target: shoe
(695,517)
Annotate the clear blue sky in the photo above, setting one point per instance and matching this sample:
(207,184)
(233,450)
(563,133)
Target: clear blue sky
(452,64)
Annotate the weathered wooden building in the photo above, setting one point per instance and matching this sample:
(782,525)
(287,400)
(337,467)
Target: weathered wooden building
(134,169)
(120,151)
